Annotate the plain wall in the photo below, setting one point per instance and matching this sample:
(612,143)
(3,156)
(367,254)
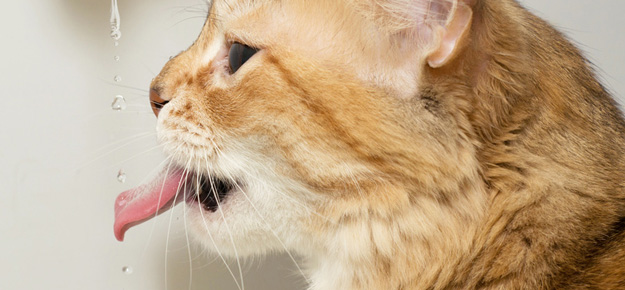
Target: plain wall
(62,145)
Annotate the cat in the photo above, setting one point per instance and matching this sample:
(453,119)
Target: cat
(393,144)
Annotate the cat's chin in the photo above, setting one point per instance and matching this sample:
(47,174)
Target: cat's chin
(252,217)
(240,225)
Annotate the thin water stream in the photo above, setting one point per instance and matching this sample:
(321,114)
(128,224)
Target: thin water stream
(119,102)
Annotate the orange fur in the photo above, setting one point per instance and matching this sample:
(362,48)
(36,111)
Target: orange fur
(501,169)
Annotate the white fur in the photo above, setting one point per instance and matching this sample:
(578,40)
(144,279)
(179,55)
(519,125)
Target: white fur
(212,50)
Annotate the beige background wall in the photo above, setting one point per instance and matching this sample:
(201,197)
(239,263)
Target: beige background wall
(61,145)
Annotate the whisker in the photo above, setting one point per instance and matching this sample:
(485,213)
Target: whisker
(169,161)
(223,216)
(139,154)
(267,224)
(126,86)
(106,113)
(186,233)
(291,199)
(186,19)
(207,264)
(213,240)
(185,174)
(191,8)
(115,149)
(142,135)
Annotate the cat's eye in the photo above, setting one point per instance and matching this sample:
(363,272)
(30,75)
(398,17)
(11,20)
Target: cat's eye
(239,54)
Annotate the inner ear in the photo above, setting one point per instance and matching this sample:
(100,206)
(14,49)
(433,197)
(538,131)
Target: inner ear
(452,36)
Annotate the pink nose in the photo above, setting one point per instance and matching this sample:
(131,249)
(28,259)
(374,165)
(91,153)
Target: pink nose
(156,101)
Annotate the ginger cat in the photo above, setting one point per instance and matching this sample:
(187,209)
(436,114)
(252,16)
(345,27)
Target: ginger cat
(393,144)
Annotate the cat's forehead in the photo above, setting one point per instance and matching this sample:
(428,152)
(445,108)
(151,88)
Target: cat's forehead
(247,21)
(229,10)
(313,26)
(331,33)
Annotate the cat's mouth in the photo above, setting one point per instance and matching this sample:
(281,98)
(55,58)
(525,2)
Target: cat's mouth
(209,191)
(140,204)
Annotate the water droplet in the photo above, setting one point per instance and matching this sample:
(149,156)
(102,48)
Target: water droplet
(119,104)
(127,270)
(117,78)
(122,202)
(121,176)
(115,33)
(116,43)
(116,58)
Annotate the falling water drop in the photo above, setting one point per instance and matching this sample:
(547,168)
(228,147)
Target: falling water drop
(121,176)
(115,33)
(116,43)
(119,103)
(116,58)
(117,78)
(127,270)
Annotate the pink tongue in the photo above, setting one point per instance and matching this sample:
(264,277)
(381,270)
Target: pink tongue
(137,205)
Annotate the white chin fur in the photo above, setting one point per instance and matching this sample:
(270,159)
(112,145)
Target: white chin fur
(261,215)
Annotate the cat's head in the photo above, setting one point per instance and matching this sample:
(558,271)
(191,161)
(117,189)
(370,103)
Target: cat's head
(297,119)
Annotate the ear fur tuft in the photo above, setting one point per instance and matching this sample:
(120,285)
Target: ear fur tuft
(452,37)
(438,27)
(400,15)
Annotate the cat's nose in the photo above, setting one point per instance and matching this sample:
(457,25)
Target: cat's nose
(156,101)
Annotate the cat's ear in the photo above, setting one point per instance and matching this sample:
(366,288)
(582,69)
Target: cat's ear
(438,27)
(449,38)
